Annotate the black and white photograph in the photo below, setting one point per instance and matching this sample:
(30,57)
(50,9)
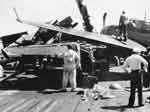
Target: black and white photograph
(74,56)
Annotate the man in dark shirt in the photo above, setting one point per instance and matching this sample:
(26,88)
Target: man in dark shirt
(104,18)
(123,26)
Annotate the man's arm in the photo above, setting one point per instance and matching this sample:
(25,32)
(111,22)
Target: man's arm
(77,60)
(145,64)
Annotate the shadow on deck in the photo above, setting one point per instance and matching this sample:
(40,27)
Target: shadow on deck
(52,80)
(45,79)
(111,76)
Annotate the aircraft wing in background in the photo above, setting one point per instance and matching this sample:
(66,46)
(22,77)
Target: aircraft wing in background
(105,39)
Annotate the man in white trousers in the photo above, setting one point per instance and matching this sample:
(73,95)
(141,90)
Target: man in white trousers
(71,63)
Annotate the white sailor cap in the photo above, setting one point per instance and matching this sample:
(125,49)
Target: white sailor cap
(136,50)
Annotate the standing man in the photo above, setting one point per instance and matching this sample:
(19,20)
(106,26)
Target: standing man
(136,63)
(123,26)
(104,18)
(71,63)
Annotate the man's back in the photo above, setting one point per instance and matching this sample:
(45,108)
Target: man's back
(135,61)
(123,19)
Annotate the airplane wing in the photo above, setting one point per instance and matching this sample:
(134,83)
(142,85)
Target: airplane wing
(85,35)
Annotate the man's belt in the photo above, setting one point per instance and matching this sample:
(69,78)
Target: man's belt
(136,70)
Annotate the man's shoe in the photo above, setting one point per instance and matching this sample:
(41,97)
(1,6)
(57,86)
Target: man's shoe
(141,105)
(63,90)
(130,106)
(73,89)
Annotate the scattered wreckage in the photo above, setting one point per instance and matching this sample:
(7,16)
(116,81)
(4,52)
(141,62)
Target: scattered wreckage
(41,51)
(38,52)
